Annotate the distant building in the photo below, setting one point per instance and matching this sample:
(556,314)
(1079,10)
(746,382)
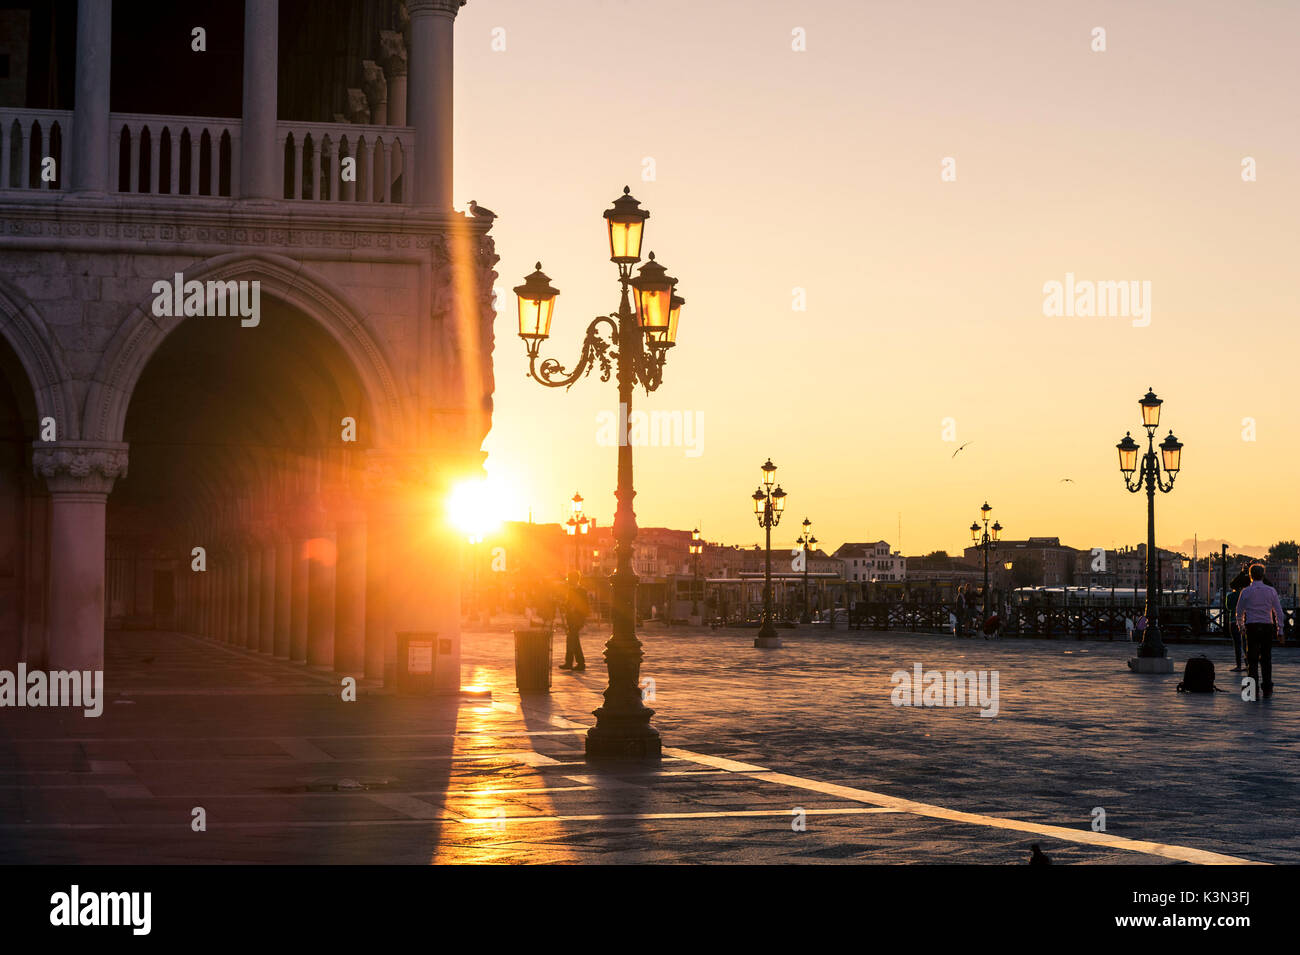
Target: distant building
(871,561)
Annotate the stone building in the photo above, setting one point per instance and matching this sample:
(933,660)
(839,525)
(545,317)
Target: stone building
(274,478)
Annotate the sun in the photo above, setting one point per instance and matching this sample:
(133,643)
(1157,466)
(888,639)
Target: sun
(477,507)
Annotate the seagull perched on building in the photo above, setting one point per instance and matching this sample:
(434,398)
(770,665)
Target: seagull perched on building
(959,450)
(478,212)
(1037,858)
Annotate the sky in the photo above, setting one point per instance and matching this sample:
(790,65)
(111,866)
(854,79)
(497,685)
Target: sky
(778,177)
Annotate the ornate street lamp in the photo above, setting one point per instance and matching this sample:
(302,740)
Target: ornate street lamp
(577,526)
(697,548)
(806,540)
(769,503)
(1149,475)
(637,346)
(986,539)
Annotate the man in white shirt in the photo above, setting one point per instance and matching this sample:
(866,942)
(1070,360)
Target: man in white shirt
(1259,616)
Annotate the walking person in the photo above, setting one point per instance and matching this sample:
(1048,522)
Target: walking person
(575,616)
(1259,615)
(961,610)
(1230,612)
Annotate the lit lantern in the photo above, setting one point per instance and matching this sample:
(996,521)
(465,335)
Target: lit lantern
(997,529)
(759,500)
(778,499)
(654,293)
(536,306)
(769,473)
(974,531)
(1150,405)
(1172,450)
(626,221)
(1128,455)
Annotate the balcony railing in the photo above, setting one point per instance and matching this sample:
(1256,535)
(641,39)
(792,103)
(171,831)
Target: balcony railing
(27,138)
(314,157)
(200,156)
(174,155)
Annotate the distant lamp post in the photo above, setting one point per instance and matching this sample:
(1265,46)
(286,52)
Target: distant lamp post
(697,548)
(807,541)
(1149,475)
(769,504)
(986,539)
(635,349)
(577,526)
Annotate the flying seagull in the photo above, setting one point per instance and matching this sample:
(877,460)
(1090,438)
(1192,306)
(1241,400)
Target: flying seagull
(478,212)
(1067,480)
(959,450)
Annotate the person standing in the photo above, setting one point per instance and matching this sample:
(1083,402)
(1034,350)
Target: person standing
(1259,615)
(575,616)
(1230,612)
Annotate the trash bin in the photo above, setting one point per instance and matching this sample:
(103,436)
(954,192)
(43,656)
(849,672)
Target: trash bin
(533,661)
(417,654)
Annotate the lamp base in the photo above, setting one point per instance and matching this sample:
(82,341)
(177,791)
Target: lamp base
(1151,665)
(631,745)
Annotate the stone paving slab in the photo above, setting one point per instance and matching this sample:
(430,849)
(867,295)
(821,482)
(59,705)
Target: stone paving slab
(751,736)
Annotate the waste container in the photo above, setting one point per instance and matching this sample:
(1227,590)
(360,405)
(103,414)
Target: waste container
(417,655)
(533,660)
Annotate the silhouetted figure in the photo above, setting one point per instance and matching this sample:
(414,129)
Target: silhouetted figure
(1230,613)
(575,615)
(1036,857)
(1259,614)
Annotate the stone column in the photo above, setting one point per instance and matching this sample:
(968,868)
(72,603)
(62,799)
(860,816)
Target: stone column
(321,575)
(430,101)
(259,163)
(392,55)
(79,475)
(91,138)
(420,574)
(241,607)
(283,596)
(266,626)
(299,601)
(350,597)
(375,86)
(253,611)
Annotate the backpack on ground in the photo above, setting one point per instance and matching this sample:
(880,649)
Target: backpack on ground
(1198,676)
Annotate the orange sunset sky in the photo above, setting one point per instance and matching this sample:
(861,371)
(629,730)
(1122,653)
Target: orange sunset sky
(820,170)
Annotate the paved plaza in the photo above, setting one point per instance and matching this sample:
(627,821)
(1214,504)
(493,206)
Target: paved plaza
(286,771)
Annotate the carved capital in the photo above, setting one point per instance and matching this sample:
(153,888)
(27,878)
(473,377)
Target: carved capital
(447,8)
(88,467)
(358,107)
(374,84)
(392,53)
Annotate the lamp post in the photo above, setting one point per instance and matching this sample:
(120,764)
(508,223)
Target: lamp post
(769,503)
(986,542)
(1148,475)
(806,540)
(635,351)
(697,548)
(577,526)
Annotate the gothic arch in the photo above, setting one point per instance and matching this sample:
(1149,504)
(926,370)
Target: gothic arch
(141,334)
(25,331)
